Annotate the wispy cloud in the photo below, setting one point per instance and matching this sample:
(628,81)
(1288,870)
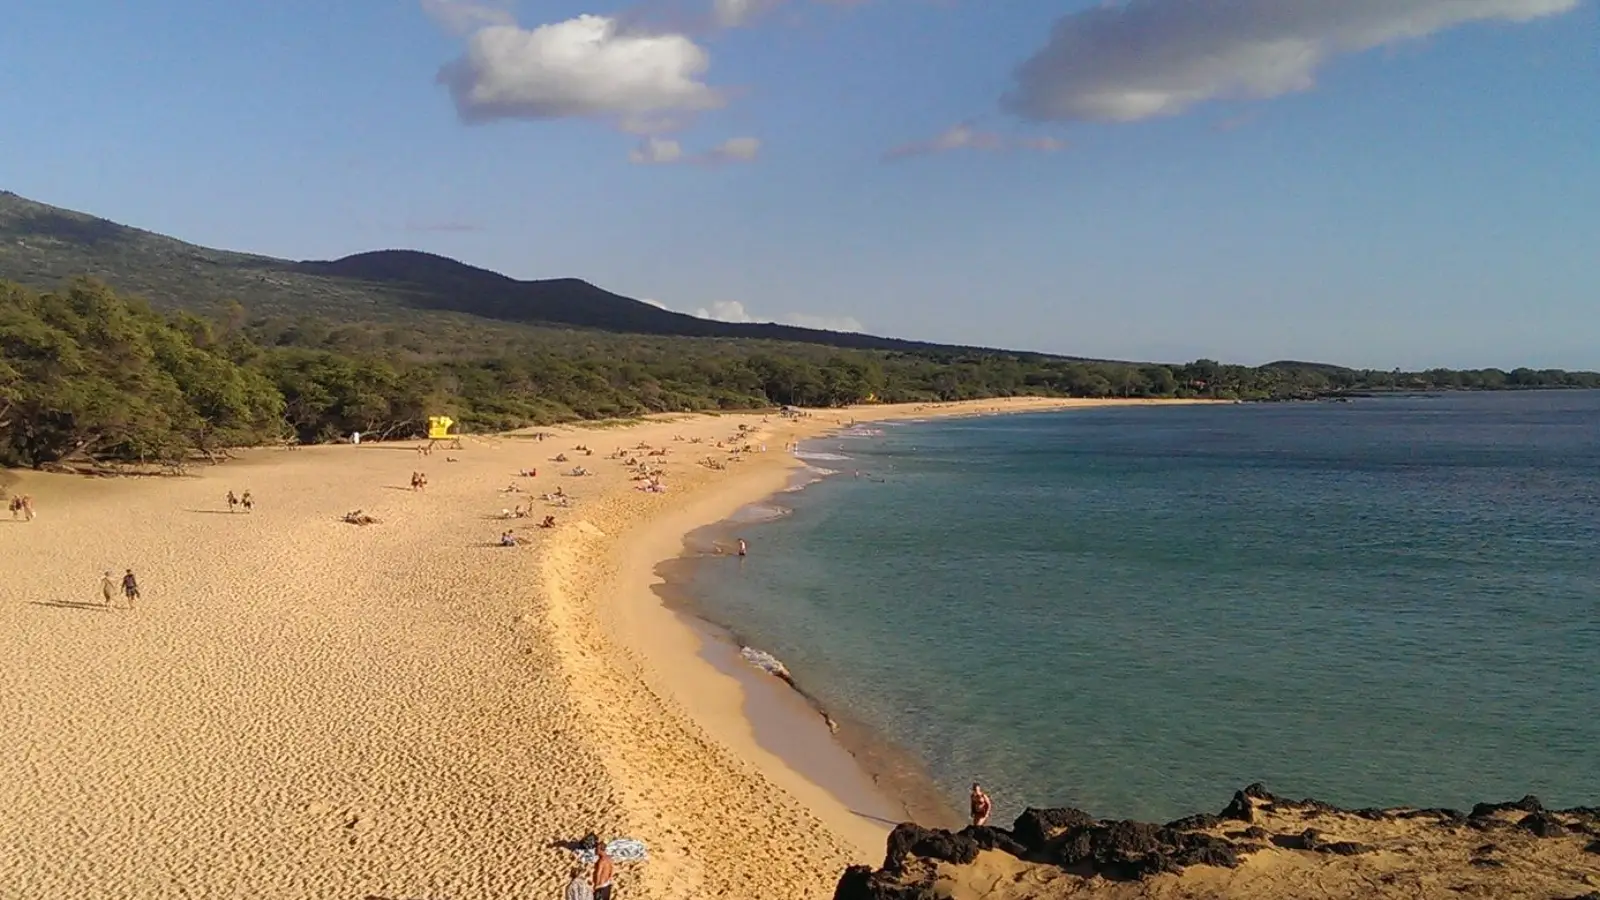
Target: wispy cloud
(734,311)
(466,16)
(659,151)
(965,137)
(1147,58)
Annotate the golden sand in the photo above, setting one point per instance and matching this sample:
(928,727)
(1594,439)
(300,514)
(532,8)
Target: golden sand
(300,707)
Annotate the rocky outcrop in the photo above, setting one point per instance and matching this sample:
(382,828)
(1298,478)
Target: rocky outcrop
(1051,852)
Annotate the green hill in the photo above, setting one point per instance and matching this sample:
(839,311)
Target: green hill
(43,246)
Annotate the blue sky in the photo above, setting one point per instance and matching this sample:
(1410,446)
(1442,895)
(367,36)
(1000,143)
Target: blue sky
(1372,182)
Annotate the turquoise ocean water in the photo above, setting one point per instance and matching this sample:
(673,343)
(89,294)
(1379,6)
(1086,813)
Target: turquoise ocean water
(1137,611)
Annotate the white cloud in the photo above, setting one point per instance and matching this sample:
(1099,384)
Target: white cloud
(964,137)
(1148,58)
(824,323)
(734,311)
(466,16)
(665,151)
(733,13)
(583,67)
(724,311)
(656,151)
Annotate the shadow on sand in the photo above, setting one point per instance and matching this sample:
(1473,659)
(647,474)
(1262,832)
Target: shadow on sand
(69,604)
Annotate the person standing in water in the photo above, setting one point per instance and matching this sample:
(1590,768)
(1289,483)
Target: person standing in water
(130,588)
(980,805)
(743,547)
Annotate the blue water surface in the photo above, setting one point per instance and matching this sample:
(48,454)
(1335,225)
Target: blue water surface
(1138,610)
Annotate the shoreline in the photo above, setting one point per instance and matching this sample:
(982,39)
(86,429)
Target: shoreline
(409,709)
(673,644)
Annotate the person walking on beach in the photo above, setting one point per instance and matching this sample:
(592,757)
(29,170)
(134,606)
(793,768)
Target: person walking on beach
(578,888)
(130,588)
(980,805)
(108,587)
(247,502)
(604,871)
(233,502)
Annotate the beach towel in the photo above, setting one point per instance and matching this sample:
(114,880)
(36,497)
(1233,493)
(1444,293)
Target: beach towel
(621,850)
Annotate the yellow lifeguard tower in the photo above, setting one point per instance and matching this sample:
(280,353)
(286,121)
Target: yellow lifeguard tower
(439,428)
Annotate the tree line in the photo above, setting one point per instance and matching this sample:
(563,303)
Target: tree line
(87,375)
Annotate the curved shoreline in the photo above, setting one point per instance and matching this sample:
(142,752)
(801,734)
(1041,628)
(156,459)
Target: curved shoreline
(717,708)
(407,709)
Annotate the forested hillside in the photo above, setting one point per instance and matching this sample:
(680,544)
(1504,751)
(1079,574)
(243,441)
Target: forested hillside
(87,374)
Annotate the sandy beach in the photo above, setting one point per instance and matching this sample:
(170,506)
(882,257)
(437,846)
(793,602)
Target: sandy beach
(301,707)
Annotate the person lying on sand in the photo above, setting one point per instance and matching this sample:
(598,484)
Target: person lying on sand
(980,805)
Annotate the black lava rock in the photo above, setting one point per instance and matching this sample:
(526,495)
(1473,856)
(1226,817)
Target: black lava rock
(1528,804)
(1035,827)
(929,843)
(987,837)
(1542,824)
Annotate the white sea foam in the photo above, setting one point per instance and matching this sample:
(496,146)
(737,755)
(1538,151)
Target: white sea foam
(819,456)
(765,661)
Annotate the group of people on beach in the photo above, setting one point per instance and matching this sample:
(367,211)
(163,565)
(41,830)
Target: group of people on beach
(129,587)
(22,507)
(245,500)
(596,882)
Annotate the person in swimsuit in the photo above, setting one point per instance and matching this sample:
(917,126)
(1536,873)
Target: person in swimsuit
(980,805)
(247,502)
(233,502)
(743,547)
(130,588)
(604,872)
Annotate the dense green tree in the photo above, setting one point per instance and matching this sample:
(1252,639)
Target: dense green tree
(88,375)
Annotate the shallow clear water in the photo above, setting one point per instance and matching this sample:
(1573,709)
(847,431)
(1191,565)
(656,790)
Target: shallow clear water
(1137,611)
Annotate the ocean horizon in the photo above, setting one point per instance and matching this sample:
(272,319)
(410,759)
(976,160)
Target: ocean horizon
(1138,610)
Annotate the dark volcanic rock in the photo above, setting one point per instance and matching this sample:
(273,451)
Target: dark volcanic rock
(1125,851)
(1035,827)
(987,837)
(1542,824)
(1133,850)
(1528,804)
(1441,813)
(861,883)
(1239,808)
(1199,822)
(907,840)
